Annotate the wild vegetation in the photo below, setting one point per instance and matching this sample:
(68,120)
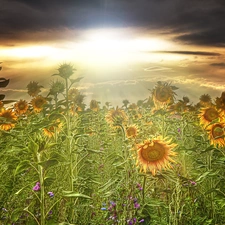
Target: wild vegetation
(157,161)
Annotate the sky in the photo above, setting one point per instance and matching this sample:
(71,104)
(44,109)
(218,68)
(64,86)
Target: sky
(121,48)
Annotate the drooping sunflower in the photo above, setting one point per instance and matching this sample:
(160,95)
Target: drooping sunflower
(38,103)
(154,155)
(21,107)
(205,100)
(163,94)
(131,131)
(220,103)
(116,117)
(216,134)
(7,119)
(94,105)
(33,88)
(207,115)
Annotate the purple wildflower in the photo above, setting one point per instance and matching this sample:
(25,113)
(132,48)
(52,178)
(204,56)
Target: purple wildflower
(51,194)
(37,187)
(136,205)
(193,182)
(139,187)
(141,221)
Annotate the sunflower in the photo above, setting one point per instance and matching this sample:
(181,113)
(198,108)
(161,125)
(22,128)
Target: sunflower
(116,117)
(56,88)
(163,94)
(53,128)
(220,103)
(216,134)
(94,105)
(66,71)
(131,131)
(7,119)
(38,103)
(207,115)
(34,88)
(21,107)
(205,100)
(1,106)
(155,155)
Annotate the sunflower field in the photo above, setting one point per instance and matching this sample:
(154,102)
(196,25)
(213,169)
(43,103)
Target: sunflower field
(160,161)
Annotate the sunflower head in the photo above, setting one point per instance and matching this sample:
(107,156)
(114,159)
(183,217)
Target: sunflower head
(55,127)
(33,88)
(38,103)
(207,115)
(205,100)
(154,155)
(7,119)
(1,106)
(66,71)
(116,117)
(94,105)
(216,134)
(21,107)
(163,94)
(131,131)
(220,102)
(56,88)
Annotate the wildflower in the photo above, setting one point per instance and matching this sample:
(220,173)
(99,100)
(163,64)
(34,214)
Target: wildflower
(155,155)
(21,107)
(37,187)
(216,134)
(131,131)
(141,221)
(193,182)
(116,117)
(38,103)
(136,205)
(103,208)
(139,187)
(51,194)
(7,119)
(34,88)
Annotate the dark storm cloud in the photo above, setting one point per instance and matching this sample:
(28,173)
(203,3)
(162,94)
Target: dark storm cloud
(194,21)
(218,64)
(190,53)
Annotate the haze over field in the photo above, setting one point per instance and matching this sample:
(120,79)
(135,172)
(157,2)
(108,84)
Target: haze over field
(120,47)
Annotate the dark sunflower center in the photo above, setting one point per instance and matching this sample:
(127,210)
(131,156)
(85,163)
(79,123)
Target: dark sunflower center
(217,131)
(163,94)
(39,103)
(211,114)
(21,106)
(154,153)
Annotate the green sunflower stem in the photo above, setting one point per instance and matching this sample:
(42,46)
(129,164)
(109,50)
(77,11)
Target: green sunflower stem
(42,198)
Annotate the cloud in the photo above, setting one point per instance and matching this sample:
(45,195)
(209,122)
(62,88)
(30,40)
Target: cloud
(218,64)
(190,22)
(200,53)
